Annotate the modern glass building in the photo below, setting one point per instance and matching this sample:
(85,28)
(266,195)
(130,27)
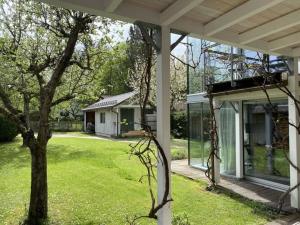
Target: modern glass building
(251,129)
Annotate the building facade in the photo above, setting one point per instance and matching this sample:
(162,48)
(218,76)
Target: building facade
(113,116)
(252,124)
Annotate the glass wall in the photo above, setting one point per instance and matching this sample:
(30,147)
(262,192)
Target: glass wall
(195,68)
(265,140)
(199,143)
(227,139)
(211,62)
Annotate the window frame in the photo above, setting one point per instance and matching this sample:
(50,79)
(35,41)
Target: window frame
(102,117)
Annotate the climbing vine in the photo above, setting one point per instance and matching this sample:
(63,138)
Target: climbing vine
(149,152)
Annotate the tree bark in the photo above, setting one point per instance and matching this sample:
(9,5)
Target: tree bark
(38,208)
(147,81)
(26,113)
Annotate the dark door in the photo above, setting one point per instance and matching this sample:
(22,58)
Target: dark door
(127,120)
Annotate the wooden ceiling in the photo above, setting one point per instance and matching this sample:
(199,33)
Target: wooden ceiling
(271,26)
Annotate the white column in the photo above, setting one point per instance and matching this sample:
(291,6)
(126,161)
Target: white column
(294,138)
(239,142)
(84,121)
(163,119)
(216,160)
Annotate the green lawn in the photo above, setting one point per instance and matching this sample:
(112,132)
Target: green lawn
(93,182)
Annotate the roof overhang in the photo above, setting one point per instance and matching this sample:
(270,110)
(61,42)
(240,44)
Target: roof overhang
(269,26)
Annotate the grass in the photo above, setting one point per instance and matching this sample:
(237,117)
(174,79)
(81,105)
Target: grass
(93,182)
(179,147)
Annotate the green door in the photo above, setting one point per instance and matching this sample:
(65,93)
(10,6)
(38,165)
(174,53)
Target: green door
(127,120)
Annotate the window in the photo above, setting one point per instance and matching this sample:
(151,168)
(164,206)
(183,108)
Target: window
(102,117)
(266,132)
(199,143)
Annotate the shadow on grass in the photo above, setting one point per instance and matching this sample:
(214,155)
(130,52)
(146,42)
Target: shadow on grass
(258,208)
(61,153)
(14,155)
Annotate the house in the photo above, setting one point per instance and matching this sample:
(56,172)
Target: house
(113,115)
(265,26)
(248,137)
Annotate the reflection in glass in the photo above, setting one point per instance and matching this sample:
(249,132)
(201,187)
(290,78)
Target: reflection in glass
(196,71)
(199,144)
(265,140)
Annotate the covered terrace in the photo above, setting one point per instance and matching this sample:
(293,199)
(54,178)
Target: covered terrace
(268,26)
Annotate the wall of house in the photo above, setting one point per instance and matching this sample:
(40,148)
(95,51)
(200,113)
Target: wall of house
(257,124)
(112,125)
(137,115)
(108,128)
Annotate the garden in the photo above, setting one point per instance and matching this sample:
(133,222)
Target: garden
(96,182)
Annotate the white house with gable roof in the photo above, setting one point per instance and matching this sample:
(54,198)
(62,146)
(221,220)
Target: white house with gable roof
(114,115)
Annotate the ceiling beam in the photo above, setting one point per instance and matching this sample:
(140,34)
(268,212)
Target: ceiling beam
(285,41)
(296,52)
(270,28)
(130,12)
(113,5)
(177,10)
(238,14)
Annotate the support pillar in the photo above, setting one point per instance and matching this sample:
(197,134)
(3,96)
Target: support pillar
(294,137)
(239,142)
(163,120)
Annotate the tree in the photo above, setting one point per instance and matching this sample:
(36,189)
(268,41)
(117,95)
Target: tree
(114,74)
(41,47)
(178,75)
(141,73)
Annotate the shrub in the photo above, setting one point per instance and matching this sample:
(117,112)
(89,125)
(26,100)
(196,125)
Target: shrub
(8,130)
(179,124)
(178,154)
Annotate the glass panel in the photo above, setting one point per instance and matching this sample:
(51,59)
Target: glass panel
(211,62)
(263,146)
(205,132)
(227,139)
(195,134)
(199,143)
(217,62)
(195,71)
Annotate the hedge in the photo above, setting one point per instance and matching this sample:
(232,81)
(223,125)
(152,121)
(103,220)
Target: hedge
(8,130)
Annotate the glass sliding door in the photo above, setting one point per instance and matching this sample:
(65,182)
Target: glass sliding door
(265,140)
(227,139)
(199,144)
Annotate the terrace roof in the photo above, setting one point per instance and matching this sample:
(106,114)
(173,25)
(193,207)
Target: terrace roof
(270,26)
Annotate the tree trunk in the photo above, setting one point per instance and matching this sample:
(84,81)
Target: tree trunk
(26,111)
(147,81)
(38,208)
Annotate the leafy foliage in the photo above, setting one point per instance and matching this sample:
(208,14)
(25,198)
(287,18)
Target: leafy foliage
(8,130)
(179,124)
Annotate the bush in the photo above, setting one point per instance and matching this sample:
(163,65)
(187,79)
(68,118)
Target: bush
(178,154)
(8,130)
(179,124)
